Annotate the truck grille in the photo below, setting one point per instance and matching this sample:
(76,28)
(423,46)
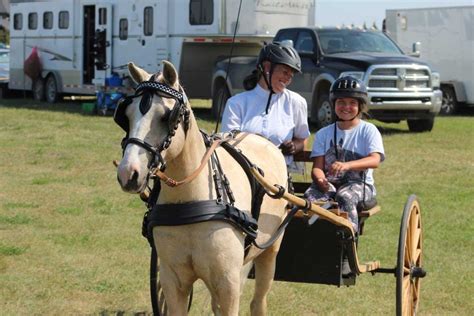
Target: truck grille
(399,78)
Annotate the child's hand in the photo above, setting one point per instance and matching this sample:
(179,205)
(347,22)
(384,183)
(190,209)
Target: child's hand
(323,184)
(339,167)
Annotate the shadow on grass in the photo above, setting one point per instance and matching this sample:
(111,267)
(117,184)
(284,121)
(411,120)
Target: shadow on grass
(123,313)
(388,130)
(203,114)
(20,102)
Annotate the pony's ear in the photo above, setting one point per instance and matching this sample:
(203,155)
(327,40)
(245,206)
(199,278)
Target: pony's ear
(138,75)
(169,73)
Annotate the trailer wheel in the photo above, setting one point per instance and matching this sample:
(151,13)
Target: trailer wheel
(450,103)
(422,125)
(409,270)
(51,89)
(219,99)
(38,89)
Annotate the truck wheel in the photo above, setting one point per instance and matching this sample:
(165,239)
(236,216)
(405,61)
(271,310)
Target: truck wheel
(322,114)
(51,89)
(423,125)
(450,103)
(38,89)
(219,99)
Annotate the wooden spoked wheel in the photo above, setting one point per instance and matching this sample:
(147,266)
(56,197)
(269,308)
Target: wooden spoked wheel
(409,269)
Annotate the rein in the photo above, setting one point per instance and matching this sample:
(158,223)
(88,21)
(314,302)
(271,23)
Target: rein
(174,183)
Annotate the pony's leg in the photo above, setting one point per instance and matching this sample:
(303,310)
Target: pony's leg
(176,289)
(225,292)
(243,277)
(264,273)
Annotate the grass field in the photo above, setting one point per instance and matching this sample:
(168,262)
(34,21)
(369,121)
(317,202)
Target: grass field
(70,239)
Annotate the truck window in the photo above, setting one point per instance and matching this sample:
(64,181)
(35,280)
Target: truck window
(304,43)
(32,21)
(347,41)
(148,21)
(48,20)
(18,21)
(201,12)
(287,35)
(123,29)
(63,19)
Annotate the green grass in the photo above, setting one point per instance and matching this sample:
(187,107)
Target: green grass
(70,239)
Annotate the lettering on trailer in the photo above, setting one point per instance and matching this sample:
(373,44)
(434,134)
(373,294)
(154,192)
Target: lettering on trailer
(282,5)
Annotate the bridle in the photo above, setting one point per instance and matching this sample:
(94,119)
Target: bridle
(178,114)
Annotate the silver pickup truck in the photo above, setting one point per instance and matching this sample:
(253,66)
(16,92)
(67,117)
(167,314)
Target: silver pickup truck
(400,87)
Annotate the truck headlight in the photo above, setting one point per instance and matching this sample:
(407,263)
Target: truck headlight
(356,74)
(435,80)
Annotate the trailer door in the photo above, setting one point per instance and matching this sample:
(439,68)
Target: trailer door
(103,42)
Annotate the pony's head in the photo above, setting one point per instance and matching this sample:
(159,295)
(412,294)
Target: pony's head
(156,120)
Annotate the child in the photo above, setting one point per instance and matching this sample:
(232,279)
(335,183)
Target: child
(346,152)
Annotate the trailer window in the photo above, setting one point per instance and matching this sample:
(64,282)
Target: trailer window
(148,21)
(201,12)
(123,29)
(18,21)
(102,16)
(63,19)
(48,20)
(32,21)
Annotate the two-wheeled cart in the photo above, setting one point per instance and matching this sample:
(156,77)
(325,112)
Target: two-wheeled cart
(322,251)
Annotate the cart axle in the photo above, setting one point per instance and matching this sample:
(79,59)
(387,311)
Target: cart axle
(384,270)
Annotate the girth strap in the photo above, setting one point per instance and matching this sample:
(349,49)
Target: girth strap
(200,211)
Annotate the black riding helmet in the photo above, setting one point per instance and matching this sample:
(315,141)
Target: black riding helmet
(276,53)
(349,87)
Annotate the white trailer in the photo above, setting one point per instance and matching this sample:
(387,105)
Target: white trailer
(444,37)
(83,42)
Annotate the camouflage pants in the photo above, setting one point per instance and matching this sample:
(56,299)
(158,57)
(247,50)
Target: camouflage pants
(347,196)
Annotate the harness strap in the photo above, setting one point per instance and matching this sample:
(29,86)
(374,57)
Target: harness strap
(199,211)
(257,189)
(280,229)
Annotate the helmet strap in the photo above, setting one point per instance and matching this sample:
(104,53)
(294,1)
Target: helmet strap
(339,119)
(268,81)
(268,102)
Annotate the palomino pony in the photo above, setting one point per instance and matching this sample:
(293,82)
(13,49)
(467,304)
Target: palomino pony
(211,250)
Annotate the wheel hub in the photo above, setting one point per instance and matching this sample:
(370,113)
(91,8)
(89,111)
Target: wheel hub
(325,113)
(417,272)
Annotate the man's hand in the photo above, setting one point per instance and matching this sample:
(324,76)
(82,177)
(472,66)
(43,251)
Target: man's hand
(288,148)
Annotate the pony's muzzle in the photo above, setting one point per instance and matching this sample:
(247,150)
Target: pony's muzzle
(130,180)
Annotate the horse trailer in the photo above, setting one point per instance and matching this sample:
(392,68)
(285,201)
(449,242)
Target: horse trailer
(444,37)
(81,43)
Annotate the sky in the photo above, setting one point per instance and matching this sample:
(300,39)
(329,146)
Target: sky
(338,12)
